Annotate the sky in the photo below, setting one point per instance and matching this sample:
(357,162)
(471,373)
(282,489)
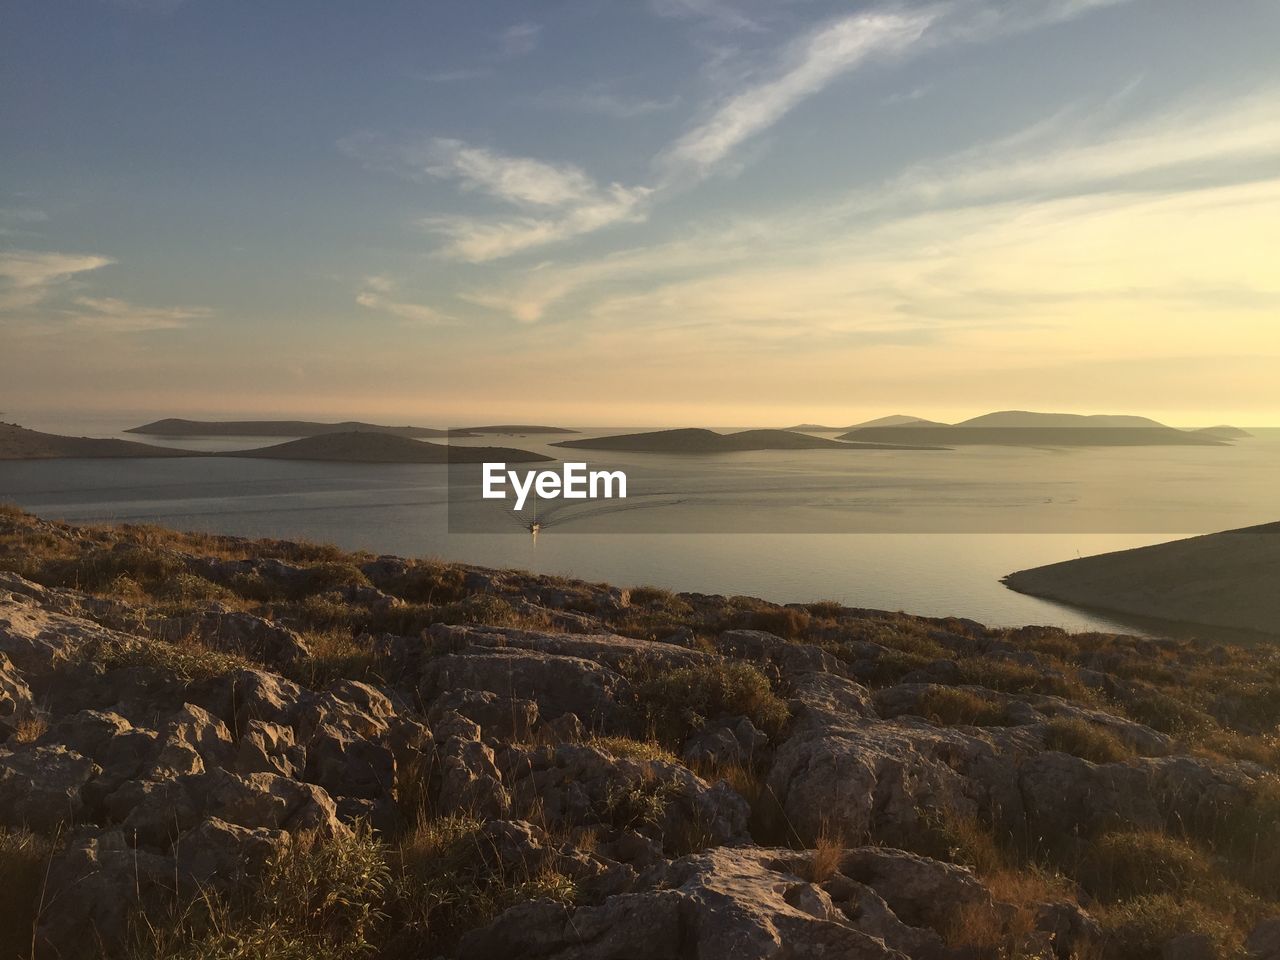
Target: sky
(640,212)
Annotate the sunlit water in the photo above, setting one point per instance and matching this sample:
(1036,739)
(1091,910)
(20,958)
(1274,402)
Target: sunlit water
(928,532)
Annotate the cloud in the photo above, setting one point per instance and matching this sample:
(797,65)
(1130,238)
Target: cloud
(109,315)
(27,277)
(456,76)
(377,293)
(34,288)
(520,39)
(719,13)
(807,67)
(606,104)
(1187,147)
(518,180)
(478,240)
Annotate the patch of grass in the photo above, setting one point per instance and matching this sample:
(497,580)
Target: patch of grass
(446,879)
(1166,713)
(428,581)
(1138,929)
(316,899)
(184,660)
(1085,740)
(643,803)
(1262,749)
(24,858)
(674,703)
(952,706)
(789,622)
(644,750)
(1128,864)
(1248,835)
(1008,676)
(335,655)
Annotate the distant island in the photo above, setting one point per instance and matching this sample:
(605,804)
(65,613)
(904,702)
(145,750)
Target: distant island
(894,420)
(365,447)
(176,427)
(509,429)
(695,440)
(1222,580)
(1026,429)
(19,443)
(173,427)
(1226,433)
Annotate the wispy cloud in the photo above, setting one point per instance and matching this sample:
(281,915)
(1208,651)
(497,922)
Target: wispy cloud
(719,13)
(379,293)
(456,76)
(38,292)
(520,39)
(518,180)
(109,315)
(477,240)
(28,277)
(605,104)
(806,68)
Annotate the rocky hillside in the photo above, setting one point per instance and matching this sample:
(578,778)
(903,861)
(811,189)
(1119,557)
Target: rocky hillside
(219,748)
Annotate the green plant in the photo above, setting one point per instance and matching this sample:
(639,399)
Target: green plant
(1138,929)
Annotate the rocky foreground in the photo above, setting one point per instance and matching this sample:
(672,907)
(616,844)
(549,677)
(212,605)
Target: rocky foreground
(212,747)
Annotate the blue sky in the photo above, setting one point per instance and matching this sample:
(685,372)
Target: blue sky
(650,211)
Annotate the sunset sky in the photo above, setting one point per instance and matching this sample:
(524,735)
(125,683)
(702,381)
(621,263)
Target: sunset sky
(640,212)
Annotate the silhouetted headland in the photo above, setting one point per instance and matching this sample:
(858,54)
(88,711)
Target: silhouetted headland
(1221,580)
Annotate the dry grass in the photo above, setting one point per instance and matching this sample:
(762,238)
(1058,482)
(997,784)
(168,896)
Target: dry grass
(1085,740)
(644,750)
(824,861)
(951,706)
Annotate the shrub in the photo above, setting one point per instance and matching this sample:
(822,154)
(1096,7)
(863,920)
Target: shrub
(674,703)
(950,706)
(1085,740)
(1127,864)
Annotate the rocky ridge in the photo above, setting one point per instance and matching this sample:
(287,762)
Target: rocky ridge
(434,759)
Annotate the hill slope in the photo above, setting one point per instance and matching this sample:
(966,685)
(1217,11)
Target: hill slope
(1224,579)
(19,443)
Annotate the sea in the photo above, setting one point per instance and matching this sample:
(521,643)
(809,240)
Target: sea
(925,532)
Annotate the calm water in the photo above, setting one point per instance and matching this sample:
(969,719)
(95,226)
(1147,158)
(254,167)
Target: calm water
(928,532)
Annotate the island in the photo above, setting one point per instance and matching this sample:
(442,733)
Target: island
(361,447)
(698,440)
(173,427)
(1229,579)
(1025,429)
(894,420)
(511,429)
